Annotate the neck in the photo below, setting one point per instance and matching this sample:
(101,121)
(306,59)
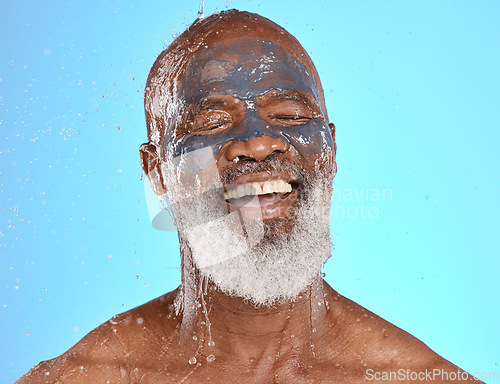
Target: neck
(215,322)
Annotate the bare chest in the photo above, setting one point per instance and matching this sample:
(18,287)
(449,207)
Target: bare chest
(271,371)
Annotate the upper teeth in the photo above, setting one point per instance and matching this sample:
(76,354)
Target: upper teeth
(257,188)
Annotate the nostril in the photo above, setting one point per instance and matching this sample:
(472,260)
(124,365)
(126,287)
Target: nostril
(243,158)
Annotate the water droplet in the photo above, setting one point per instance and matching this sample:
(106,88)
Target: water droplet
(192,360)
(140,320)
(195,338)
(211,343)
(210,358)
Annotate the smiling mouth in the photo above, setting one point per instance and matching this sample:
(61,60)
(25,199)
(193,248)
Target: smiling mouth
(268,198)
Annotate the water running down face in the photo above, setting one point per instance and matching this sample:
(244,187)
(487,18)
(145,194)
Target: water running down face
(250,170)
(249,100)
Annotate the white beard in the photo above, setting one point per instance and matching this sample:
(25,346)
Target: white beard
(237,256)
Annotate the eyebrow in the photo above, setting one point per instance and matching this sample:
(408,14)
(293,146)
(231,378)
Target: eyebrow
(287,94)
(211,102)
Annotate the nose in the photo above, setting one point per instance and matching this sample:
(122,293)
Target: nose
(257,148)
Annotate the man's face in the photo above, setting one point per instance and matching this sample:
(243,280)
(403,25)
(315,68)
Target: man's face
(249,169)
(258,109)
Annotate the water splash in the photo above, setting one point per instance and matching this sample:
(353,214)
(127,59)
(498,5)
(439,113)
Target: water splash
(203,291)
(201,12)
(311,328)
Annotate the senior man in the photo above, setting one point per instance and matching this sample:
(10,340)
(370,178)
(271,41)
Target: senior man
(241,146)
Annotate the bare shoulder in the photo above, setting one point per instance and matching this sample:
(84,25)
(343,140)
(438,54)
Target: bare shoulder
(107,351)
(378,348)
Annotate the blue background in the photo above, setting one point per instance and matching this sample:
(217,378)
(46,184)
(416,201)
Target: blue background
(413,88)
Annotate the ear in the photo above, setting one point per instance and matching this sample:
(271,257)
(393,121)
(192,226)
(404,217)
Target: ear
(332,130)
(151,165)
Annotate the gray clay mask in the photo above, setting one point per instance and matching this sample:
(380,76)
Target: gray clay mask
(247,88)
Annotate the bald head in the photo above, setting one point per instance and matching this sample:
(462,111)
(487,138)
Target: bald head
(162,101)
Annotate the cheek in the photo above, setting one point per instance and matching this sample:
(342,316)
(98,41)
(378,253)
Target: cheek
(312,141)
(189,144)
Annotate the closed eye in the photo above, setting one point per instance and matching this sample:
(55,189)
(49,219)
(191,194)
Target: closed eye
(294,119)
(289,119)
(288,107)
(211,122)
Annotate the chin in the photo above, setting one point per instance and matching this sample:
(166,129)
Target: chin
(279,229)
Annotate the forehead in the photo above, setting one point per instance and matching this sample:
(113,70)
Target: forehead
(244,68)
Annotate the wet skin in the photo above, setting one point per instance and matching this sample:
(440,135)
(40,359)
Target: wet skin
(321,337)
(244,89)
(150,344)
(249,99)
